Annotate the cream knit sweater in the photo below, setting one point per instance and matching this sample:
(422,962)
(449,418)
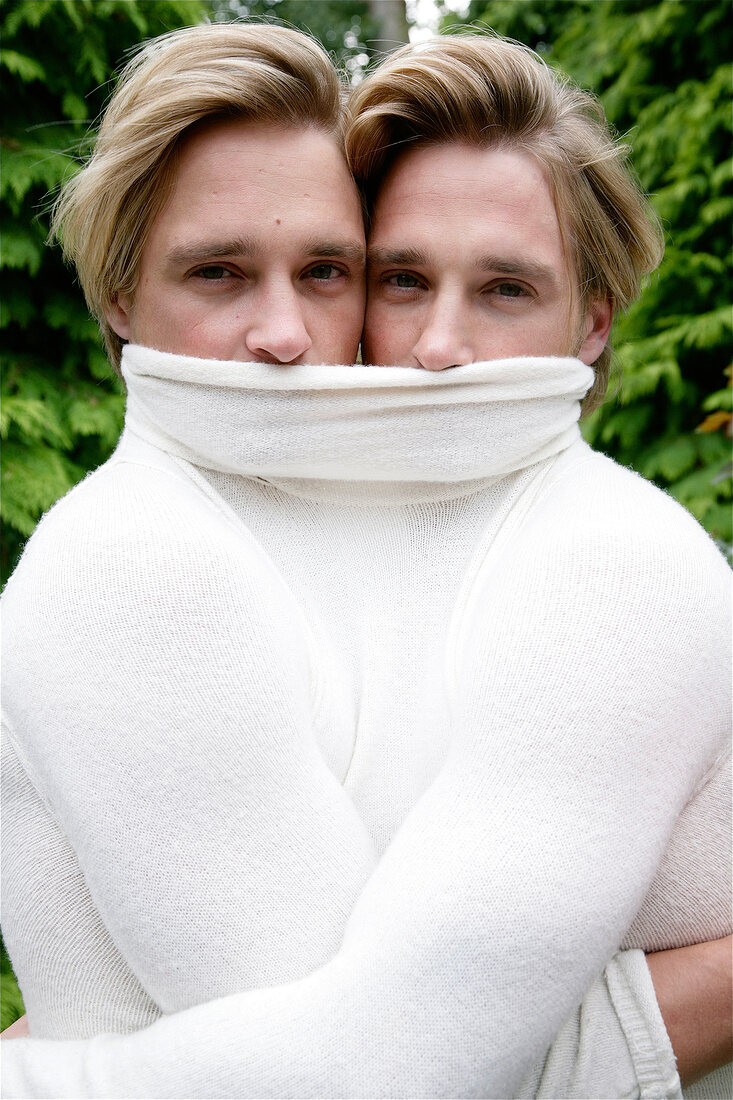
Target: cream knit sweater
(368,701)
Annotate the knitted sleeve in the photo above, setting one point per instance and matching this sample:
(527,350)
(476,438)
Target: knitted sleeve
(615,1043)
(158,682)
(76,984)
(590,676)
(74,980)
(691,898)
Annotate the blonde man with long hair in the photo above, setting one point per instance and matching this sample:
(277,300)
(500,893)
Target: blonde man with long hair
(350,689)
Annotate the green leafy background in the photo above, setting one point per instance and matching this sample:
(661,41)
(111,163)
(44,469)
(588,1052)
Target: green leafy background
(662,70)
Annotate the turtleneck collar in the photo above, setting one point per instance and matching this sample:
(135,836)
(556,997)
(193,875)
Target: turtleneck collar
(325,424)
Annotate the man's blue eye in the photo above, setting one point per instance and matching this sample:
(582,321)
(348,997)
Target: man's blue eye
(509,290)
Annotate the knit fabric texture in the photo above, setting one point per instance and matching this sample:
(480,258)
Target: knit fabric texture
(374,708)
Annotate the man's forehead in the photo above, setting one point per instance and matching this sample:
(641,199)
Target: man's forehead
(239,163)
(482,209)
(241,191)
(465,182)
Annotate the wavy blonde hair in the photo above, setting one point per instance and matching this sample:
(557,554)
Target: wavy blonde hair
(490,91)
(255,72)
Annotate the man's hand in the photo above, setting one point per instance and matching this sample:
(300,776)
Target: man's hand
(694,987)
(18,1030)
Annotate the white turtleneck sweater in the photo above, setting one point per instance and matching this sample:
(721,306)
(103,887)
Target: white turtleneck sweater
(376,705)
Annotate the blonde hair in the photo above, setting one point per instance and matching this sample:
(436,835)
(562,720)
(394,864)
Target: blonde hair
(259,73)
(489,91)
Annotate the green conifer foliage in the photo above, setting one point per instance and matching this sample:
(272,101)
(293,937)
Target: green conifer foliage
(346,28)
(11,1002)
(62,407)
(662,70)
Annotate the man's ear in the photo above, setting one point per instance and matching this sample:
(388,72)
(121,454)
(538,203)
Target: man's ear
(118,316)
(596,327)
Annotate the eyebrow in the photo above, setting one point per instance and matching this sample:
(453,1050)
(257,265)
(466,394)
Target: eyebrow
(401,257)
(523,268)
(189,253)
(502,265)
(251,246)
(344,250)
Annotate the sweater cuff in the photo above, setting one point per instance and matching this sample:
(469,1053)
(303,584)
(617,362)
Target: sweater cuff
(632,994)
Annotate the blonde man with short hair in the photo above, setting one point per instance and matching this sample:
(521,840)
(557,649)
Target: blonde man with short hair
(351,711)
(190,77)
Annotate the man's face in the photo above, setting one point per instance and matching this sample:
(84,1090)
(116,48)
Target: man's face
(258,253)
(466,263)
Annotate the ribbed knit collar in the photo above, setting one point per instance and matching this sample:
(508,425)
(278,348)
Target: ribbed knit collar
(321,424)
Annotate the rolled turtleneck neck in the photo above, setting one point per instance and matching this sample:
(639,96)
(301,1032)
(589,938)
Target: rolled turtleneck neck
(309,429)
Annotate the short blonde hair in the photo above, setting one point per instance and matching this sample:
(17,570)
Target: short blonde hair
(256,72)
(490,91)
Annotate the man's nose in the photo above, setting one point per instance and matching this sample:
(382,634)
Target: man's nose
(443,341)
(278,333)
